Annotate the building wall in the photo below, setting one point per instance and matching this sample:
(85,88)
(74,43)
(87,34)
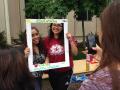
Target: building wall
(2,16)
(75,27)
(15,18)
(4,19)
(22,14)
(12,18)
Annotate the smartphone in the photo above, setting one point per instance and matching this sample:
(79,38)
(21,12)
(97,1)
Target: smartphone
(91,42)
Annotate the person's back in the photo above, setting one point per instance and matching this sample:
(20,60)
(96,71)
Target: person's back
(107,75)
(100,80)
(14,74)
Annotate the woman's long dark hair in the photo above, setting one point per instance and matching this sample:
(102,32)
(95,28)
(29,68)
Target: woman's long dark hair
(61,34)
(110,23)
(14,73)
(40,44)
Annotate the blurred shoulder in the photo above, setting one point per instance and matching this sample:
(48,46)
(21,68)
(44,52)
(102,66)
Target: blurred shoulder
(100,80)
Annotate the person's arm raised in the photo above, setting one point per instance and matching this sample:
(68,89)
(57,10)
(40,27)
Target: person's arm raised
(73,44)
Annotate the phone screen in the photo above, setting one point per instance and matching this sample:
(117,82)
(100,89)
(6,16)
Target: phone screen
(91,42)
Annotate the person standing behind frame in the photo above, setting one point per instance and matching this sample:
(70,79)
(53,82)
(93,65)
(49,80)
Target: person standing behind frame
(54,43)
(38,56)
(14,73)
(107,75)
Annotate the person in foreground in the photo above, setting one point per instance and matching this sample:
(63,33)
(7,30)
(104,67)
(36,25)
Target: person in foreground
(54,43)
(107,75)
(14,73)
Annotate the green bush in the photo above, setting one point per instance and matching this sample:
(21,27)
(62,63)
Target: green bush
(20,40)
(3,40)
(22,36)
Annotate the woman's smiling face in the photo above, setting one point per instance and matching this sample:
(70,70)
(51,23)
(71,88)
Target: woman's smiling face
(57,28)
(35,36)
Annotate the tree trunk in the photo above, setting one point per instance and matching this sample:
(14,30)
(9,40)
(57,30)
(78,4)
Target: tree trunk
(83,30)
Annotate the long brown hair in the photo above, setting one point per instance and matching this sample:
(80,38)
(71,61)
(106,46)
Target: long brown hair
(110,23)
(14,74)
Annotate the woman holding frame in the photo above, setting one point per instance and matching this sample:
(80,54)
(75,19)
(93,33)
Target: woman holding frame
(54,43)
(38,56)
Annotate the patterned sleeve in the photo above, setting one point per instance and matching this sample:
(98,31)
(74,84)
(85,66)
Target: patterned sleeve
(88,85)
(101,80)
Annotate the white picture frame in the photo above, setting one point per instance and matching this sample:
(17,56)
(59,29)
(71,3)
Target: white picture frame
(42,67)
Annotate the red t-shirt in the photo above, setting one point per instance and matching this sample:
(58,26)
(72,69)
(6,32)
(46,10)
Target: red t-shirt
(56,53)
